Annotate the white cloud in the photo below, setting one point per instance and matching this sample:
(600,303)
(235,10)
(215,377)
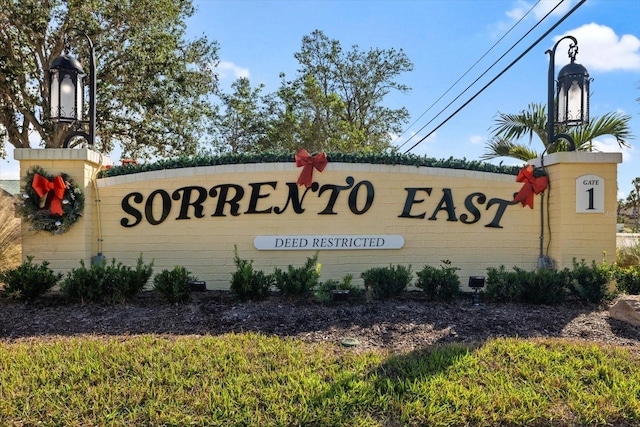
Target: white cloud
(610,145)
(226,70)
(542,8)
(539,11)
(476,139)
(522,7)
(601,49)
(518,11)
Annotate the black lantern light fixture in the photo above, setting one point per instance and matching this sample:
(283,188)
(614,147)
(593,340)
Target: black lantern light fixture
(572,95)
(572,110)
(66,92)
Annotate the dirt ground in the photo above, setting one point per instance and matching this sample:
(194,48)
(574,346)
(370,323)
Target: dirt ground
(399,325)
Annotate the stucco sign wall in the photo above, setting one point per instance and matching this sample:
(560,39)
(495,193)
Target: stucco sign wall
(356,216)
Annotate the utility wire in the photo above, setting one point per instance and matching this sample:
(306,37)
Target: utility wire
(488,69)
(553,27)
(460,78)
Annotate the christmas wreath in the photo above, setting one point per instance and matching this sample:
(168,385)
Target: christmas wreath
(50,203)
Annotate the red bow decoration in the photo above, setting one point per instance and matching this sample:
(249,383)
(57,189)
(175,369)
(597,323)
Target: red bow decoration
(532,185)
(43,186)
(303,158)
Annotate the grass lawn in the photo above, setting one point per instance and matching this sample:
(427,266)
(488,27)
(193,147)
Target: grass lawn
(256,380)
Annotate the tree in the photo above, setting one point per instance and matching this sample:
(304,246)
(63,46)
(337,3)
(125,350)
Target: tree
(242,126)
(153,86)
(335,102)
(511,127)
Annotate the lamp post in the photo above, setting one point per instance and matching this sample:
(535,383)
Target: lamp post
(572,95)
(66,92)
(572,110)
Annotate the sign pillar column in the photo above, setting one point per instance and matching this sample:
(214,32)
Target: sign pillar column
(580,211)
(80,242)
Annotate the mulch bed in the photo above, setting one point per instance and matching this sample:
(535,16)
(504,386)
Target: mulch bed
(401,324)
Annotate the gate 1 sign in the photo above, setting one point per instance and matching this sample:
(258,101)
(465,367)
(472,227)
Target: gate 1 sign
(589,194)
(328,242)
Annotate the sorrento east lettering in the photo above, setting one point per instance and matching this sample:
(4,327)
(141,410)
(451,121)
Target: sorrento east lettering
(221,200)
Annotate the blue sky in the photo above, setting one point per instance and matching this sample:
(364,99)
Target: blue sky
(443,38)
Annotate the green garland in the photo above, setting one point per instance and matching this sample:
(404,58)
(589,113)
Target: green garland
(41,218)
(286,157)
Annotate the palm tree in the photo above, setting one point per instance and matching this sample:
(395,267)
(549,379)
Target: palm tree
(511,127)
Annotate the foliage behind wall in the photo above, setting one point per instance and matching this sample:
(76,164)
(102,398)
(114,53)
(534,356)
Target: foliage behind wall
(280,156)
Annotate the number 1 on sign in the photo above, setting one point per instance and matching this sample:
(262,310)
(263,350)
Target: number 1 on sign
(591,207)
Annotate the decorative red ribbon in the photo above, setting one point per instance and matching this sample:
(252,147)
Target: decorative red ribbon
(43,186)
(303,158)
(532,185)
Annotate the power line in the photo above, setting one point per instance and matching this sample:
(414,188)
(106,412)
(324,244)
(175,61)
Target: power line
(460,78)
(488,69)
(501,73)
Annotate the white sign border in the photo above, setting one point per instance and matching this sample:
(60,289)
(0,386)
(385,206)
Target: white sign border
(590,196)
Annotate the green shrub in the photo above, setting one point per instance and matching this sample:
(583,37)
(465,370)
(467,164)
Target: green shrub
(590,283)
(503,285)
(297,281)
(113,283)
(28,281)
(628,280)
(174,284)
(386,282)
(247,283)
(540,286)
(442,284)
(126,283)
(324,291)
(85,284)
(544,286)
